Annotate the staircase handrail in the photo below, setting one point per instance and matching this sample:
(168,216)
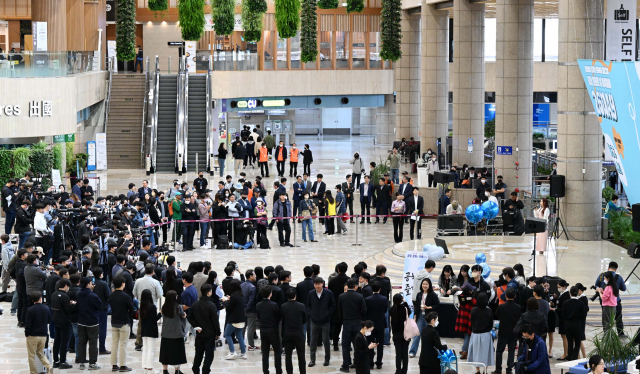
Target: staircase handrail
(144,112)
(107,105)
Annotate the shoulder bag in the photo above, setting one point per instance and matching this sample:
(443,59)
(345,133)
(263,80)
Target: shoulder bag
(410,327)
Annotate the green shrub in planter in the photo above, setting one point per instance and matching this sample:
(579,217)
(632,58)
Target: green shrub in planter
(41,161)
(159,7)
(21,162)
(6,158)
(126,30)
(390,26)
(355,6)
(71,165)
(328,4)
(607,193)
(57,156)
(615,351)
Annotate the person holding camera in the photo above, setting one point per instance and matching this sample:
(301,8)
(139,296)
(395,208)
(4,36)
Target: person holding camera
(24,220)
(620,285)
(9,201)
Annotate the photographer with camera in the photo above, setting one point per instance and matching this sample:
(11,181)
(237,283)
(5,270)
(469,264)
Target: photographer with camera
(43,232)
(24,220)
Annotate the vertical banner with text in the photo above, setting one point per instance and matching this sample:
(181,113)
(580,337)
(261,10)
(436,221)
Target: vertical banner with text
(190,53)
(413,262)
(621,30)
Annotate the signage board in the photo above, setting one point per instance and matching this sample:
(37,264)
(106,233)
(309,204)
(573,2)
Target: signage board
(504,151)
(237,25)
(91,151)
(272,103)
(55,178)
(39,32)
(67,138)
(413,263)
(470,145)
(111,10)
(277,112)
(621,30)
(175,44)
(101,151)
(190,53)
(489,112)
(540,114)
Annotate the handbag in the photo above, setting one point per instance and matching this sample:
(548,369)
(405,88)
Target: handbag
(410,328)
(306,215)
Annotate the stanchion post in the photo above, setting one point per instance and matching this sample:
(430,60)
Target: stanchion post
(357,225)
(233,231)
(174,235)
(293,221)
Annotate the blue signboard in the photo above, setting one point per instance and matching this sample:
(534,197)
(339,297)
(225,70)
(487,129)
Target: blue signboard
(504,151)
(489,112)
(224,105)
(540,114)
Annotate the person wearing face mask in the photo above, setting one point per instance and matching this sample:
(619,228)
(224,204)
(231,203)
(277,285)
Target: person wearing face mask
(281,157)
(306,210)
(307,159)
(478,281)
(534,358)
(429,361)
(454,208)
(200,183)
(554,170)
(564,296)
(260,212)
(293,160)
(283,213)
(177,216)
(481,344)
(432,167)
(481,187)
(499,189)
(399,313)
(362,348)
(487,193)
(357,168)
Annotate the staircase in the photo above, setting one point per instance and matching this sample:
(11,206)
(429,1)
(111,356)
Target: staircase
(167,108)
(197,122)
(124,127)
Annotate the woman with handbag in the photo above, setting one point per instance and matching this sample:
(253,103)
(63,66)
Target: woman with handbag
(399,314)
(306,207)
(260,212)
(172,350)
(481,344)
(426,302)
(429,361)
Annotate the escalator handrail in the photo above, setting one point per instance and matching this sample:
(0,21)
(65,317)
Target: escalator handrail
(209,151)
(186,114)
(178,122)
(156,95)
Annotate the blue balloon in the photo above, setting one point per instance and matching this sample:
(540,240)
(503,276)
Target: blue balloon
(474,213)
(480,258)
(490,210)
(486,270)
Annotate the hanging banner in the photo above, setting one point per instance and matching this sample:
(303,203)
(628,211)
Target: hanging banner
(621,30)
(39,32)
(101,151)
(614,88)
(112,54)
(190,53)
(413,262)
(91,151)
(111,10)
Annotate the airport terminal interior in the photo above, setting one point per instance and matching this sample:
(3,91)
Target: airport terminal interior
(494,128)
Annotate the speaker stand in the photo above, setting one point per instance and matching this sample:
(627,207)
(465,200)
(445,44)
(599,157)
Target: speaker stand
(533,254)
(633,272)
(558,222)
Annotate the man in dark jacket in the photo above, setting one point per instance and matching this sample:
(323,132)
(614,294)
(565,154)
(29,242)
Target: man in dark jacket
(348,188)
(415,206)
(277,296)
(101,288)
(383,199)
(9,204)
(320,306)
(269,315)
(352,310)
(336,285)
(317,194)
(121,310)
(239,152)
(73,316)
(89,306)
(250,301)
(302,294)
(49,289)
(508,314)
(189,211)
(203,316)
(24,220)
(61,307)
(35,329)
(21,286)
(366,198)
(536,362)
(377,306)
(294,316)
(363,285)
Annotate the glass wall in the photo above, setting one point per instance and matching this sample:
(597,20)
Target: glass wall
(551,39)
(325,50)
(282,54)
(295,52)
(490,39)
(359,50)
(267,39)
(374,51)
(342,50)
(537,39)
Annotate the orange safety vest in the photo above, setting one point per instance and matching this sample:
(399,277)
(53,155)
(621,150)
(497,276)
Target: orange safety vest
(280,156)
(294,155)
(264,154)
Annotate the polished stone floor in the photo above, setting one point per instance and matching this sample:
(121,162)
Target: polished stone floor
(572,260)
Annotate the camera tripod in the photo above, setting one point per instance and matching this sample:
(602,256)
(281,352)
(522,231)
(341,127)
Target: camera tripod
(558,222)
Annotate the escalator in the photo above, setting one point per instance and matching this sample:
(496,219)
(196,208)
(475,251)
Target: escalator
(197,122)
(166,124)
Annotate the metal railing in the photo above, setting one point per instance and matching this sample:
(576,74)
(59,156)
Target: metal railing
(208,165)
(154,123)
(47,64)
(179,118)
(227,61)
(107,106)
(144,111)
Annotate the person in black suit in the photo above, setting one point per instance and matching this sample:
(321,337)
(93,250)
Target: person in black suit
(573,312)
(508,314)
(294,317)
(320,307)
(352,310)
(317,193)
(362,348)
(86,190)
(481,187)
(415,206)
(336,286)
(429,361)
(163,205)
(399,313)
(383,200)
(298,191)
(377,306)
(269,315)
(347,189)
(405,190)
(366,198)
(307,159)
(302,290)
(277,296)
(144,190)
(554,171)
(364,287)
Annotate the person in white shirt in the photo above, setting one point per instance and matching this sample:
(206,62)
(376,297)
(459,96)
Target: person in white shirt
(432,167)
(543,213)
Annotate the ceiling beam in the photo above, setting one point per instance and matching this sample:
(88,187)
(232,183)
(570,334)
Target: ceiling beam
(445,5)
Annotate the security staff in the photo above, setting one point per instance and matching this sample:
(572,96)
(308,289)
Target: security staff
(293,160)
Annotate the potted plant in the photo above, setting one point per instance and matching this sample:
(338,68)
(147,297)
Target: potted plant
(616,351)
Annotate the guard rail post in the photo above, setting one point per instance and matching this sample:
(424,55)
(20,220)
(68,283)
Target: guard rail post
(293,220)
(233,231)
(357,225)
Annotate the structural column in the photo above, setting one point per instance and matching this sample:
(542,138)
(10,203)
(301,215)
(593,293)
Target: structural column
(514,90)
(468,82)
(385,121)
(579,134)
(434,77)
(54,13)
(407,78)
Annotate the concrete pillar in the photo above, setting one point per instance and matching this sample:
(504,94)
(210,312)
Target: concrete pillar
(579,132)
(514,90)
(407,78)
(385,121)
(468,82)
(54,13)
(434,77)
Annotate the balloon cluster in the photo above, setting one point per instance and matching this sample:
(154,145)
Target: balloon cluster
(475,213)
(447,356)
(481,260)
(436,253)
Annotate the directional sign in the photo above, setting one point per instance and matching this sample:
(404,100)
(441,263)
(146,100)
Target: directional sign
(504,151)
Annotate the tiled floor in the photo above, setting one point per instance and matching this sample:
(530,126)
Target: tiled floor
(572,260)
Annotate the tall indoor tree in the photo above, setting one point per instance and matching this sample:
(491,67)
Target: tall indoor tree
(390,26)
(252,13)
(191,17)
(287,18)
(126,30)
(308,31)
(222,14)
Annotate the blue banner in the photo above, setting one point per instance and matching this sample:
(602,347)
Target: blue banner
(613,88)
(489,112)
(540,114)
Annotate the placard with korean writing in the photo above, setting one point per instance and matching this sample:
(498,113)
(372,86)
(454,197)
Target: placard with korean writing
(413,262)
